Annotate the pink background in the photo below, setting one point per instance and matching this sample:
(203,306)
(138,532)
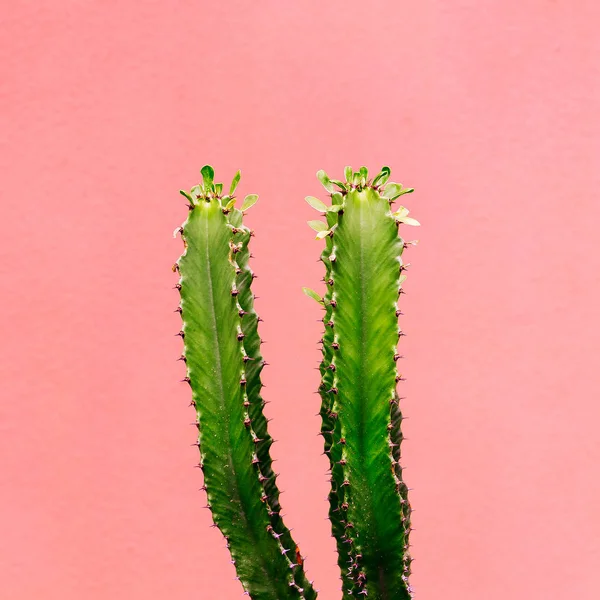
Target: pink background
(489,108)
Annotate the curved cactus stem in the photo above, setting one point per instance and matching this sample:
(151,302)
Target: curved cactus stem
(223,360)
(361,417)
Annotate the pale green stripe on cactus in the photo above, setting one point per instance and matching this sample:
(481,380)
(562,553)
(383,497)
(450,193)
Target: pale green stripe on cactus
(223,362)
(364,276)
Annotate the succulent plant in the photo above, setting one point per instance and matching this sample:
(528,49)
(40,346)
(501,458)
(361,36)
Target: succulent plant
(361,416)
(223,363)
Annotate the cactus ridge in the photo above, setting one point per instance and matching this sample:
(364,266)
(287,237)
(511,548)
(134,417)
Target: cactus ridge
(361,417)
(223,366)
(254,417)
(330,428)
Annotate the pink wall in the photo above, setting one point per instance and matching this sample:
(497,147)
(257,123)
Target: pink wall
(489,108)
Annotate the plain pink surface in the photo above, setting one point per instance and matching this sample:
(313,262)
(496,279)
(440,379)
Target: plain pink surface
(488,108)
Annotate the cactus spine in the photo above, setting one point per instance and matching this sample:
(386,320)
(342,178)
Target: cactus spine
(223,363)
(361,417)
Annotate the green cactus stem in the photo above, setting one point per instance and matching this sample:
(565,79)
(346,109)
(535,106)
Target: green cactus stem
(223,363)
(361,417)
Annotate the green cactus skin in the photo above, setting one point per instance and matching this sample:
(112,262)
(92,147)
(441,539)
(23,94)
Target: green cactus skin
(361,417)
(223,362)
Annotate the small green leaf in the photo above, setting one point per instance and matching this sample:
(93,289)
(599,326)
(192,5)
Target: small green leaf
(323,234)
(392,190)
(317,225)
(197,189)
(234,183)
(312,294)
(235,218)
(249,200)
(208,174)
(230,204)
(316,203)
(339,183)
(335,208)
(382,177)
(364,172)
(218,188)
(409,221)
(325,181)
(356,179)
(187,195)
(402,191)
(401,212)
(348,173)
(337,198)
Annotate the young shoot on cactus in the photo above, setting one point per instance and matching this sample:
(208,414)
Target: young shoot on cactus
(360,411)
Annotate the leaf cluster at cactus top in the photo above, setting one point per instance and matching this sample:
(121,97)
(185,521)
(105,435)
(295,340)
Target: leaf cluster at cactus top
(208,189)
(359,181)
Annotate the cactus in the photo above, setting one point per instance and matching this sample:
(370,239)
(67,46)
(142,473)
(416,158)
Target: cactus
(361,417)
(223,364)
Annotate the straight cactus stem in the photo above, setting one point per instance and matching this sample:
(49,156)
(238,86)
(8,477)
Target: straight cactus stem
(223,365)
(360,411)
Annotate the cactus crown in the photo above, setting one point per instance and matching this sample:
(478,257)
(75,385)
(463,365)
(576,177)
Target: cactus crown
(361,417)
